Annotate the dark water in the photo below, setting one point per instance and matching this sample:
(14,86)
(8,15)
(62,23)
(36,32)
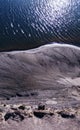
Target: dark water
(26,24)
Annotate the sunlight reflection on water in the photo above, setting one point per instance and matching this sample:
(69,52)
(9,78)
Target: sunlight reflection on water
(36,22)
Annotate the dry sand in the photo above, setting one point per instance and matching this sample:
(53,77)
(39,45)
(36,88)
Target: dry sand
(40,88)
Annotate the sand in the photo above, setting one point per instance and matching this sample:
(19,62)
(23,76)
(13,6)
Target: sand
(48,76)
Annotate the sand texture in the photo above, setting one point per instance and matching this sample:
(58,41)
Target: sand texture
(40,88)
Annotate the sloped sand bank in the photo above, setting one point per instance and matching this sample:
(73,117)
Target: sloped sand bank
(49,75)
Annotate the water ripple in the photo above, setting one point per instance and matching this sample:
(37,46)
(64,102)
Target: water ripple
(37,22)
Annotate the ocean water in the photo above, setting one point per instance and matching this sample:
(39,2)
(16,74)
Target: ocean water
(26,24)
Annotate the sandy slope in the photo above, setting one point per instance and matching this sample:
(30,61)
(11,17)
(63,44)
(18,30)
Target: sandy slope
(48,74)
(48,67)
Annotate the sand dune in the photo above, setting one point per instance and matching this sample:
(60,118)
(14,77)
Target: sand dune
(55,67)
(49,75)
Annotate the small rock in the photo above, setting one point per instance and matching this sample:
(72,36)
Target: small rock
(39,114)
(22,107)
(16,116)
(66,115)
(41,106)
